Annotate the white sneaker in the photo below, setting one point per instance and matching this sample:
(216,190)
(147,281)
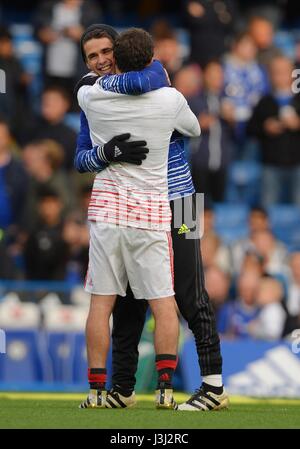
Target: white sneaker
(164,399)
(205,401)
(116,400)
(95,399)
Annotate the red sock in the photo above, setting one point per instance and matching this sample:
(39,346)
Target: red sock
(97,378)
(165,366)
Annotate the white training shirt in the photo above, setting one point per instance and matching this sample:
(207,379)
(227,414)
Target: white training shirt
(126,194)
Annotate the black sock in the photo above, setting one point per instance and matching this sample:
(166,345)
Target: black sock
(210,388)
(123,391)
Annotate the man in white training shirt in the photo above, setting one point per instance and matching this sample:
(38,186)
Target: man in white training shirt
(130,214)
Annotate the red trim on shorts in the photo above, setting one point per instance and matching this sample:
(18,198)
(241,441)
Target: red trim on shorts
(86,278)
(171,254)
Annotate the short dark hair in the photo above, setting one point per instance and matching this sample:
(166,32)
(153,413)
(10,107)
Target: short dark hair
(211,61)
(241,35)
(259,18)
(94,34)
(133,50)
(97,31)
(57,88)
(44,191)
(259,209)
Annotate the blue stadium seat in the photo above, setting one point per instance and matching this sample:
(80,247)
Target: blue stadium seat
(286,216)
(230,235)
(30,54)
(79,366)
(61,350)
(79,362)
(73,120)
(243,185)
(286,42)
(290,237)
(285,223)
(231,221)
(230,215)
(25,359)
(29,50)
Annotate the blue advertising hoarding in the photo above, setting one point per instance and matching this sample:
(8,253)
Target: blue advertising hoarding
(252,368)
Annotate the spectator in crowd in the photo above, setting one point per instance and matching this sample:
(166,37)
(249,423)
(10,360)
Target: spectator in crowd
(55,103)
(258,221)
(45,252)
(245,82)
(235,315)
(188,80)
(211,159)
(76,237)
(210,23)
(166,47)
(217,284)
(252,262)
(43,160)
(276,124)
(13,183)
(214,253)
(270,322)
(274,255)
(59,26)
(262,32)
(14,102)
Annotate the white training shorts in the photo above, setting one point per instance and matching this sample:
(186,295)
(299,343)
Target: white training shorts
(119,255)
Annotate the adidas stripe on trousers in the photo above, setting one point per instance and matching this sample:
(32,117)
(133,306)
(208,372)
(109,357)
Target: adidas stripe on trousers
(194,305)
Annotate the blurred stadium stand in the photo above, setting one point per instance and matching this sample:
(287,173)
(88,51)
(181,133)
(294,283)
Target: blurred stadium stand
(44,321)
(231,221)
(243,182)
(285,223)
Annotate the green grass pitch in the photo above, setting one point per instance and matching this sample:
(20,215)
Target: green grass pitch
(60,411)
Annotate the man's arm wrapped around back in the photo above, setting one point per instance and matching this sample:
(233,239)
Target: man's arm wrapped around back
(89,158)
(152,77)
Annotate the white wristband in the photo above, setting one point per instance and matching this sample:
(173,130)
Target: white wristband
(101,155)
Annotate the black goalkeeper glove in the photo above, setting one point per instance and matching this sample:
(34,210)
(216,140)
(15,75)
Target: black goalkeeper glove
(118,150)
